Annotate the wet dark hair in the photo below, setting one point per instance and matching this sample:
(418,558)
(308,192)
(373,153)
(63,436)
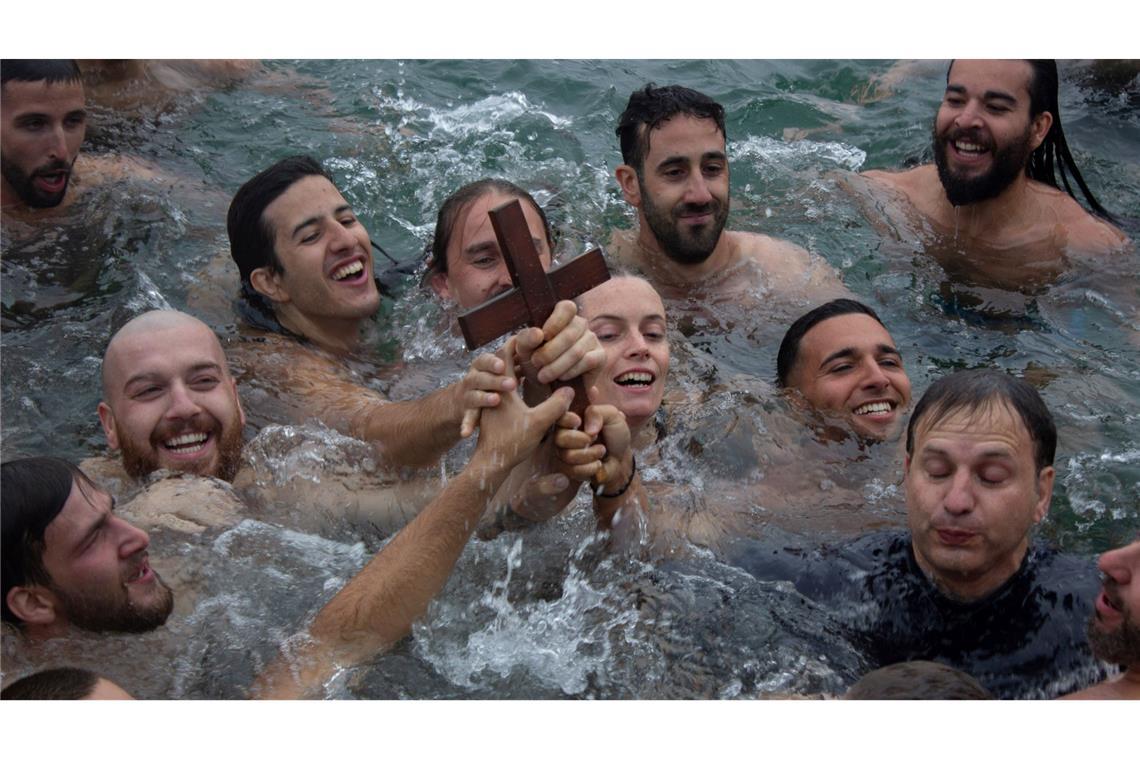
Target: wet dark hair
(55,683)
(790,345)
(650,107)
(31,70)
(1053,152)
(920,679)
(251,239)
(975,389)
(32,493)
(456,203)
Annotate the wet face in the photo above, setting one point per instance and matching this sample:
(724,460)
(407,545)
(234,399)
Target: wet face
(848,365)
(1114,631)
(476,270)
(683,188)
(983,135)
(325,252)
(627,316)
(171,402)
(973,493)
(42,129)
(101,578)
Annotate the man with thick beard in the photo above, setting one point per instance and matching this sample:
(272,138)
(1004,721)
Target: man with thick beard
(997,137)
(69,560)
(675,173)
(1114,629)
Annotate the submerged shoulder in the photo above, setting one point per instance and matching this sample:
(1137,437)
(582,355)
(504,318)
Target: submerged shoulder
(1084,231)
(186,504)
(910,181)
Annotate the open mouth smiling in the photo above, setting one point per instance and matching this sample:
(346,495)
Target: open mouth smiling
(875,408)
(187,443)
(635,379)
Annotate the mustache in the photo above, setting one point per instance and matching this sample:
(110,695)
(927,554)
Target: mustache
(685,209)
(970,134)
(53,167)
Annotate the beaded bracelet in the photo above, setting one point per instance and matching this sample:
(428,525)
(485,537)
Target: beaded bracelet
(628,483)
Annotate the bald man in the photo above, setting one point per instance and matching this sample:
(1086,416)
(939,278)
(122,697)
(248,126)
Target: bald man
(168,398)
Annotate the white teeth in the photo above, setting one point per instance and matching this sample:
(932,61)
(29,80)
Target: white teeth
(968,147)
(189,439)
(634,378)
(348,269)
(875,406)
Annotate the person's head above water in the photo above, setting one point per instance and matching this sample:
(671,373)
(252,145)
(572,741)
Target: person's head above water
(675,170)
(840,359)
(305,259)
(44,120)
(1114,630)
(979,476)
(466,265)
(64,683)
(168,398)
(999,122)
(628,317)
(68,559)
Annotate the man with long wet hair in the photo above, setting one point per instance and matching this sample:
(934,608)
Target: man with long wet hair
(992,191)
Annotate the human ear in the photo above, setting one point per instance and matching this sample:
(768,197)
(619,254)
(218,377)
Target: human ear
(268,284)
(1044,493)
(107,419)
(441,286)
(1040,127)
(627,180)
(33,604)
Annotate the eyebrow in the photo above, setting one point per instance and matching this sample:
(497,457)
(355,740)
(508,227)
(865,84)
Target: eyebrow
(152,376)
(101,521)
(317,217)
(615,318)
(1002,453)
(987,95)
(849,352)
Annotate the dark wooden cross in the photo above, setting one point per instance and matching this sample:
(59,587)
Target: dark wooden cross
(532,299)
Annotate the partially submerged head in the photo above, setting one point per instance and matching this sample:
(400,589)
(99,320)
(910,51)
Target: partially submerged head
(43,120)
(168,398)
(840,359)
(675,170)
(979,476)
(918,679)
(305,260)
(628,317)
(64,683)
(68,559)
(1114,630)
(466,265)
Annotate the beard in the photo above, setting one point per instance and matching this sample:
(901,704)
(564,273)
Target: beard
(24,184)
(117,612)
(1121,646)
(1008,162)
(684,245)
(140,461)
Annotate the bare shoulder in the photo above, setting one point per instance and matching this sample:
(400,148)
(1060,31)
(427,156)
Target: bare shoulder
(911,181)
(1084,232)
(769,251)
(111,167)
(790,266)
(108,474)
(186,504)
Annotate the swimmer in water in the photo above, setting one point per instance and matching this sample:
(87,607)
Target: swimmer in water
(70,562)
(465,269)
(1114,629)
(43,124)
(675,172)
(306,268)
(839,359)
(997,136)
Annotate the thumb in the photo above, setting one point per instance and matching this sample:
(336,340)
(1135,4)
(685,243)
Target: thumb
(549,411)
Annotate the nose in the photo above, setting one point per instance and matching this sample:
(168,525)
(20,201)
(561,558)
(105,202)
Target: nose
(873,375)
(342,238)
(132,540)
(57,144)
(969,115)
(183,403)
(636,345)
(697,190)
(503,278)
(1121,564)
(959,499)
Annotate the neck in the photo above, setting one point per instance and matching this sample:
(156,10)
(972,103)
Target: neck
(652,258)
(971,587)
(338,336)
(996,214)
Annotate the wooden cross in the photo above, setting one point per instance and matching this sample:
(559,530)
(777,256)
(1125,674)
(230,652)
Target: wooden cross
(532,299)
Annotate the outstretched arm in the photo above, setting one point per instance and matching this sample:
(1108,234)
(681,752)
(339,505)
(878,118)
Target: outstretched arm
(378,606)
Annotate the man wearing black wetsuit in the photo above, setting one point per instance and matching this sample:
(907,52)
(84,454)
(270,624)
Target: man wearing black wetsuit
(964,587)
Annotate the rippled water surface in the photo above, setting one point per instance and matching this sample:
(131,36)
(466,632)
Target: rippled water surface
(552,613)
